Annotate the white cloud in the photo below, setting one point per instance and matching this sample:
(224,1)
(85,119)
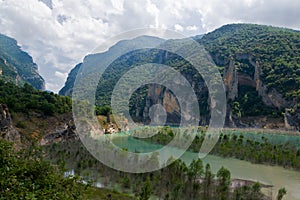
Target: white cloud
(59,33)
(192,28)
(178,27)
(60,75)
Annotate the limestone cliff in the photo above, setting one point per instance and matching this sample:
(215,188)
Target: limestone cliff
(270,98)
(231,80)
(7,130)
(158,94)
(253,66)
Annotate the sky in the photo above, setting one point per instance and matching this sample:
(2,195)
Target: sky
(59,33)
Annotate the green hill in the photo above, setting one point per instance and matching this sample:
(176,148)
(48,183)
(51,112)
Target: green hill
(17,66)
(277,50)
(263,61)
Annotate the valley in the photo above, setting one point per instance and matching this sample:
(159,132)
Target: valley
(256,154)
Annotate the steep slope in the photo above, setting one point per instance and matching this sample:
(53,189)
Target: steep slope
(259,64)
(68,87)
(94,60)
(17,66)
(276,50)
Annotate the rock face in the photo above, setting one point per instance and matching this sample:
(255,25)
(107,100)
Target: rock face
(243,66)
(158,94)
(69,132)
(292,119)
(270,98)
(17,66)
(68,87)
(231,80)
(7,130)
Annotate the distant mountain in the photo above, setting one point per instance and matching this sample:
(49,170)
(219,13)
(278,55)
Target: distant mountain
(260,66)
(97,58)
(17,66)
(68,88)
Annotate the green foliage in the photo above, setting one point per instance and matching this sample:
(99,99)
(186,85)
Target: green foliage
(249,103)
(195,169)
(257,151)
(16,62)
(172,182)
(248,146)
(25,175)
(102,110)
(146,190)
(281,193)
(106,194)
(25,99)
(224,178)
(276,49)
(21,124)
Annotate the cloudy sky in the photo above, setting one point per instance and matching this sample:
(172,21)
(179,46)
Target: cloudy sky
(59,33)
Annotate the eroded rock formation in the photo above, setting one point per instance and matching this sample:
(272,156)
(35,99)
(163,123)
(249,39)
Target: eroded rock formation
(292,119)
(232,80)
(67,133)
(7,130)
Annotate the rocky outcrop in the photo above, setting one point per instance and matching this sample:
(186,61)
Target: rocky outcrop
(292,119)
(67,133)
(231,80)
(270,98)
(158,94)
(7,130)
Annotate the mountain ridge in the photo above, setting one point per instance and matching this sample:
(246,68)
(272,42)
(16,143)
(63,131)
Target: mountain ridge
(17,66)
(262,60)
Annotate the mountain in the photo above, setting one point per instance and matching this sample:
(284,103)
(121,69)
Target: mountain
(17,66)
(100,57)
(259,64)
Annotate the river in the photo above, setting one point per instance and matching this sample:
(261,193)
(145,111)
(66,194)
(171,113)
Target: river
(271,175)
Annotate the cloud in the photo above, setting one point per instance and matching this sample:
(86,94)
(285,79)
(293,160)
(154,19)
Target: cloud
(59,33)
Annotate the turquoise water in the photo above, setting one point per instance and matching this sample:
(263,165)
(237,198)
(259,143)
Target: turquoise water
(273,138)
(272,175)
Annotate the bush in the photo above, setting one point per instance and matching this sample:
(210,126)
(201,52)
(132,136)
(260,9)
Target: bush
(21,124)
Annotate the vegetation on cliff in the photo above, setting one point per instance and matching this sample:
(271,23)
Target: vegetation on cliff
(276,49)
(27,99)
(17,66)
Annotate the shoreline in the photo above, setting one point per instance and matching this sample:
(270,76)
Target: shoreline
(261,130)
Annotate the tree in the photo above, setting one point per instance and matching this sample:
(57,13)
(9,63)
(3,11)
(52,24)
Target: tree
(146,190)
(208,178)
(25,175)
(281,193)
(224,178)
(195,171)
(255,191)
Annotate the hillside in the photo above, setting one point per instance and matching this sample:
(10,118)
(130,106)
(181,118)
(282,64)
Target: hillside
(276,49)
(259,65)
(27,114)
(17,66)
